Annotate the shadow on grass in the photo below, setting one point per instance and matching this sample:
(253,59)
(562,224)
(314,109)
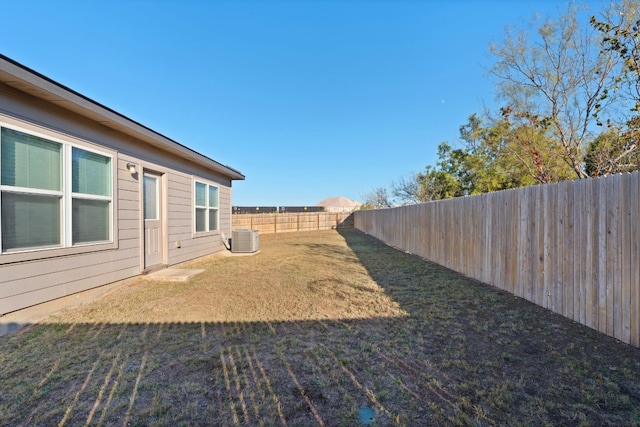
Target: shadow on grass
(466,354)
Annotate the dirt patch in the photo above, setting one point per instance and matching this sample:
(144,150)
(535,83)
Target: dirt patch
(309,331)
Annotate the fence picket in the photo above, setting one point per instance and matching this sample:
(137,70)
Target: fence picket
(611,263)
(566,248)
(624,231)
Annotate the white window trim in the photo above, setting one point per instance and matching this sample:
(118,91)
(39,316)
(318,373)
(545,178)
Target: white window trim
(205,206)
(67,196)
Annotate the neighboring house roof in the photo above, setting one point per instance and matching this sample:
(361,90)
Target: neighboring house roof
(340,201)
(27,80)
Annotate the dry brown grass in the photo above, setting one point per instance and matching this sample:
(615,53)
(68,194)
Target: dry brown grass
(307,332)
(295,277)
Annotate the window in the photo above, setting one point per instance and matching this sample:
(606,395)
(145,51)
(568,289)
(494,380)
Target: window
(31,191)
(91,184)
(151,198)
(206,207)
(46,204)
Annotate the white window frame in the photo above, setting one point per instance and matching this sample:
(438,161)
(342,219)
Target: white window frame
(68,173)
(67,196)
(206,207)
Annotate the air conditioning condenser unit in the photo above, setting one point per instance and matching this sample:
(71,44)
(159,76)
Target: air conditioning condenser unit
(244,241)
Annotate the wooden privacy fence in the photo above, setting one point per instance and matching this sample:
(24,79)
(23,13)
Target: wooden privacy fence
(280,223)
(571,247)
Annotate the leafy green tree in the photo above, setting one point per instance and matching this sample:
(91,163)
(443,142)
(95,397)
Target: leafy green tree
(494,156)
(488,160)
(535,155)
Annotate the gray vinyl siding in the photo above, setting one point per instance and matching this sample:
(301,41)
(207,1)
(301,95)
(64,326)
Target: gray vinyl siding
(180,208)
(28,282)
(25,284)
(180,221)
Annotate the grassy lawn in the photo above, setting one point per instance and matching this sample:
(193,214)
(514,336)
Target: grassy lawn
(309,331)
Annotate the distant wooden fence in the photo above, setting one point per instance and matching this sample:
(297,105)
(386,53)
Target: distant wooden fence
(572,247)
(285,222)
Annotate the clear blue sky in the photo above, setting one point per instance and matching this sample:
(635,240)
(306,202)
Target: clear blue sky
(308,99)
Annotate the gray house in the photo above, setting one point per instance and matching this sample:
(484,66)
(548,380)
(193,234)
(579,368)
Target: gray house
(89,197)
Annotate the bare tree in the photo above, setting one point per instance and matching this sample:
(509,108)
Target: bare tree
(376,199)
(555,80)
(618,149)
(411,189)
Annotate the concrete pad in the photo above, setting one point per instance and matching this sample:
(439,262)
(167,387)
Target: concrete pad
(234,254)
(173,274)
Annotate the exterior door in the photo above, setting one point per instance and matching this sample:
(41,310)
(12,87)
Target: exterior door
(153,241)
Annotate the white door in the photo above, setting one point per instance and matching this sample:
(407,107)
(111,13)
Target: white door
(153,242)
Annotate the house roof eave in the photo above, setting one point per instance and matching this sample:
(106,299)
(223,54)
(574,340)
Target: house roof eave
(35,84)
